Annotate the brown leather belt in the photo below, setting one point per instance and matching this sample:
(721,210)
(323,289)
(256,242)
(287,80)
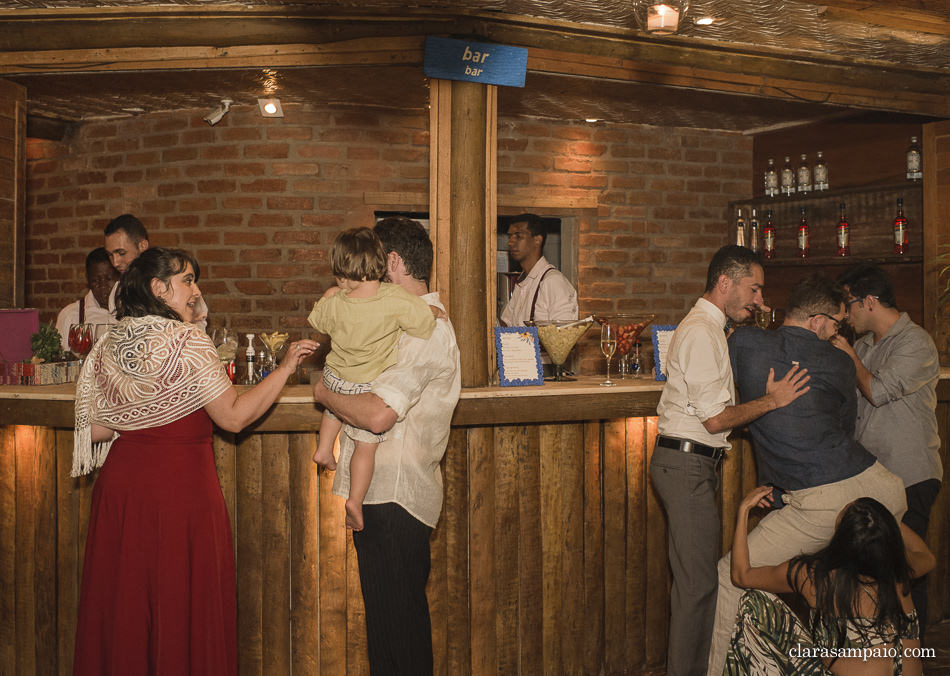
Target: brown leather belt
(688,446)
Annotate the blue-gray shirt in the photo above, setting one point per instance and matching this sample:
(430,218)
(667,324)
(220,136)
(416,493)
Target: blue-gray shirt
(810,442)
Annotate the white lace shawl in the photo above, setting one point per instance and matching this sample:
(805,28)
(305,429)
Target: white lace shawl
(145,372)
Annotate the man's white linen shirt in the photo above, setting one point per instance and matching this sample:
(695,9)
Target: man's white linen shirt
(95,314)
(557,299)
(422,388)
(698,377)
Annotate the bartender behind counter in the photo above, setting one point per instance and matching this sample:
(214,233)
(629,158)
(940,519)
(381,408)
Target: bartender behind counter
(542,292)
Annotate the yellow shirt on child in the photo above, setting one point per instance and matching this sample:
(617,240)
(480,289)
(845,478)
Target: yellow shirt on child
(364,332)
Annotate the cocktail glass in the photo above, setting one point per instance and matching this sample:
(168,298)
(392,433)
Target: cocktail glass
(628,327)
(273,343)
(558,339)
(80,340)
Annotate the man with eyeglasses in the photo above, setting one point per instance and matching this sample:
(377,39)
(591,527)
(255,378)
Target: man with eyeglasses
(897,370)
(542,292)
(806,448)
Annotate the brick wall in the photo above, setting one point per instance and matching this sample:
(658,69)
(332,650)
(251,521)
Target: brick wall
(259,201)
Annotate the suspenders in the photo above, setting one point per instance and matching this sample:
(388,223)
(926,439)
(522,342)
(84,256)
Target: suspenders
(537,290)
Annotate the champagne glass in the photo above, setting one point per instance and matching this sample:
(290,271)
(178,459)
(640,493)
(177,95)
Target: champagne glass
(80,340)
(608,345)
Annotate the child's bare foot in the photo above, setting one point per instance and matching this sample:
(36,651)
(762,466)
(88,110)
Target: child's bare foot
(354,515)
(324,458)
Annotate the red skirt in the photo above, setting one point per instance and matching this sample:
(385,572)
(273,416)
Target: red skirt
(158,584)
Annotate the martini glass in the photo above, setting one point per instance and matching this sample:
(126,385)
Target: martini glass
(273,343)
(629,328)
(559,338)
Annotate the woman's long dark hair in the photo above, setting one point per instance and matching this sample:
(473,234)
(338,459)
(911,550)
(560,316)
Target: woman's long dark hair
(134,297)
(867,547)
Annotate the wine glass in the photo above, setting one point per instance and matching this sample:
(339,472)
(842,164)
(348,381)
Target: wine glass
(608,345)
(763,317)
(80,340)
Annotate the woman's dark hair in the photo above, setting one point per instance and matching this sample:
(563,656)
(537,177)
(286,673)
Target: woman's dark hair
(134,297)
(867,546)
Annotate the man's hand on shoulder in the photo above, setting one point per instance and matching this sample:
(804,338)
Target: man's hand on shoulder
(789,388)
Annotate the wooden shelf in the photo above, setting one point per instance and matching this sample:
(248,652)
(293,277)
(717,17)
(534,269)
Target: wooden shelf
(842,261)
(915,188)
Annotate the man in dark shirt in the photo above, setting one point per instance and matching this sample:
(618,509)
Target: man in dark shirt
(805,448)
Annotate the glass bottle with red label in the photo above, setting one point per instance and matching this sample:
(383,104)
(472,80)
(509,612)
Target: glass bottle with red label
(803,243)
(843,234)
(900,229)
(768,236)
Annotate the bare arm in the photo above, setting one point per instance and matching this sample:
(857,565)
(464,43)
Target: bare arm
(233,412)
(769,578)
(919,556)
(366,411)
(864,376)
(101,433)
(779,393)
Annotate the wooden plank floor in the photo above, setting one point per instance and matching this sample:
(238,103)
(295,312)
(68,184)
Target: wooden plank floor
(938,638)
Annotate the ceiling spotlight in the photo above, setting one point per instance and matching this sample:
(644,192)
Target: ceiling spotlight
(270,107)
(661,18)
(705,21)
(220,111)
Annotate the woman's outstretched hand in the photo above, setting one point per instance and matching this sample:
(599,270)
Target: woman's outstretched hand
(297,352)
(757,497)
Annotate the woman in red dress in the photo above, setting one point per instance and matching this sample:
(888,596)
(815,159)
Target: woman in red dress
(158,587)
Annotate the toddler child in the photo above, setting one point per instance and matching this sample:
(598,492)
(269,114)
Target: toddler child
(364,319)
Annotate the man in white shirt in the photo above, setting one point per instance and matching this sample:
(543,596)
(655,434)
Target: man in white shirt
(697,410)
(126,239)
(413,403)
(542,292)
(93,308)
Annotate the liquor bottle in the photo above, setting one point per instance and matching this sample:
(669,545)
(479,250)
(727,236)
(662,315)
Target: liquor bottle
(768,236)
(915,170)
(740,228)
(788,177)
(754,235)
(821,173)
(771,180)
(803,245)
(804,175)
(844,235)
(900,229)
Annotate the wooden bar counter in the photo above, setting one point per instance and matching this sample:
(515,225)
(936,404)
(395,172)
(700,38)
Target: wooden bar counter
(549,558)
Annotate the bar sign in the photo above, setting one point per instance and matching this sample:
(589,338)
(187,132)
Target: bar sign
(475,61)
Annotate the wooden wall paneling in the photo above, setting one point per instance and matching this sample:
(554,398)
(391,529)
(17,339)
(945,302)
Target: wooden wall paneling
(12,194)
(437,593)
(440,175)
(247,530)
(304,556)
(730,491)
(593,515)
(573,615)
(454,656)
(45,549)
(357,659)
(938,532)
(482,549)
(936,152)
(68,554)
(657,595)
(635,540)
(615,563)
(552,546)
(333,564)
(275,540)
(530,544)
(8,554)
(25,542)
(225,461)
(507,531)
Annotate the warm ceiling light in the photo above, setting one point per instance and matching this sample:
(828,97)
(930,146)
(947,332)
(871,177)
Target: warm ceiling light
(705,21)
(270,107)
(661,18)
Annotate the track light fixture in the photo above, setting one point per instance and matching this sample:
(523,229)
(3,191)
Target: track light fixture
(219,112)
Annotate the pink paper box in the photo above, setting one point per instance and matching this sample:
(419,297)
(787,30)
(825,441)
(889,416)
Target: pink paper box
(16,327)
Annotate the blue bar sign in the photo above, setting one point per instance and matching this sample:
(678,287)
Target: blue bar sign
(475,61)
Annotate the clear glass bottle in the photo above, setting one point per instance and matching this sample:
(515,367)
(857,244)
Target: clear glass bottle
(768,236)
(771,179)
(740,229)
(843,234)
(788,177)
(754,235)
(803,243)
(821,172)
(900,229)
(915,168)
(804,175)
